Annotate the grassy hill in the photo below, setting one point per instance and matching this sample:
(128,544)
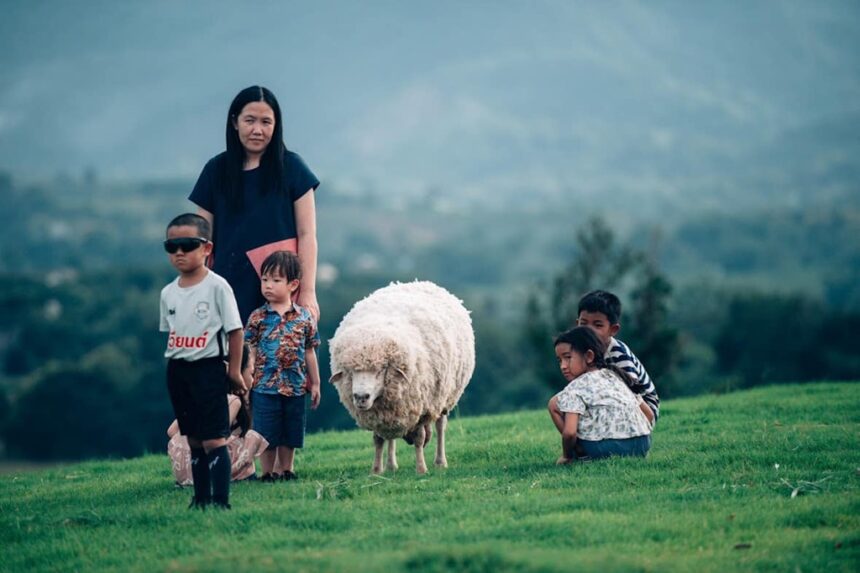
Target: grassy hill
(763,480)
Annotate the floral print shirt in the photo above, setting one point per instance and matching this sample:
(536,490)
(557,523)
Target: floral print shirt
(280,344)
(607,408)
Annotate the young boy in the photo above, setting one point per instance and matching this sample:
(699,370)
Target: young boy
(283,337)
(195,309)
(601,311)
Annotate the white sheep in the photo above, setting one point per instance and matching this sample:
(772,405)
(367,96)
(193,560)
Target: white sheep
(401,359)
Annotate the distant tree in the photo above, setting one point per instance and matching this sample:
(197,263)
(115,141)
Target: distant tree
(71,413)
(839,335)
(502,380)
(772,338)
(5,414)
(650,333)
(601,261)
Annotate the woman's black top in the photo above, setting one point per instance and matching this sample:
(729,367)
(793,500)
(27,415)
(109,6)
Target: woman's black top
(266,216)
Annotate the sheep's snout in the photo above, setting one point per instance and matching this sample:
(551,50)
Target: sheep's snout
(360,400)
(366,388)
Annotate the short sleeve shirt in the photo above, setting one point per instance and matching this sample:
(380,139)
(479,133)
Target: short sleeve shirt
(267,216)
(620,355)
(197,316)
(280,343)
(607,408)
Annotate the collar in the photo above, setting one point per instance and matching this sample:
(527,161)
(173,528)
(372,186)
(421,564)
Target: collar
(293,309)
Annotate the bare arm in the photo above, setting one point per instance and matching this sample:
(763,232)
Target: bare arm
(313,377)
(252,366)
(306,228)
(568,437)
(234,368)
(173,429)
(235,404)
(211,218)
(649,413)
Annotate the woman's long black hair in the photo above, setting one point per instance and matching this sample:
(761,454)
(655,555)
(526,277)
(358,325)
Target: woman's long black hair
(272,161)
(581,340)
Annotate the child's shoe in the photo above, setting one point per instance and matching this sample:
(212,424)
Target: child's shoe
(288,475)
(269,477)
(200,504)
(220,504)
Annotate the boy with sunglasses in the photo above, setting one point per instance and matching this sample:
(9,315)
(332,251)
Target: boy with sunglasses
(196,310)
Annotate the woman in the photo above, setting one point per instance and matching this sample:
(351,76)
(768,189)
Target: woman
(259,198)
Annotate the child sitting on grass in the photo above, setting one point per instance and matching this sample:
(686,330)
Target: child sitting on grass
(596,413)
(243,444)
(601,312)
(283,338)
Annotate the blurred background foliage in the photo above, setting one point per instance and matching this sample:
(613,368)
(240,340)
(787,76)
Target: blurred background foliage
(700,159)
(708,304)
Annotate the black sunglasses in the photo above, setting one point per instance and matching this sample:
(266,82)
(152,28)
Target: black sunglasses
(186,244)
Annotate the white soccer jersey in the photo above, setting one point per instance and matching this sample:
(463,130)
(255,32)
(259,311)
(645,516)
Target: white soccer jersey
(196,316)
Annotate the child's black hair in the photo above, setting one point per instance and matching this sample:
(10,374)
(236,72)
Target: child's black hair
(601,301)
(204,229)
(282,263)
(581,340)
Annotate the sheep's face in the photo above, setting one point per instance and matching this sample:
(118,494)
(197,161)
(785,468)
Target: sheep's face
(366,388)
(366,385)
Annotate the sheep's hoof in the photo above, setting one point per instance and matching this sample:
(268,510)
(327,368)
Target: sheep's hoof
(421,470)
(376,470)
(441,463)
(391,468)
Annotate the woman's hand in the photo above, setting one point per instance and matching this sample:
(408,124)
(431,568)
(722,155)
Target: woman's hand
(306,230)
(308,300)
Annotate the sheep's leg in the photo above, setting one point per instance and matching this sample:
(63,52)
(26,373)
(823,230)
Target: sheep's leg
(420,464)
(391,464)
(378,442)
(441,460)
(428,433)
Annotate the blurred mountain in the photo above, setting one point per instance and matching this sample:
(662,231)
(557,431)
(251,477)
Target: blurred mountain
(709,105)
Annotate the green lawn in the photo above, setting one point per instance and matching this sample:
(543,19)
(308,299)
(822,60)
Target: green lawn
(764,480)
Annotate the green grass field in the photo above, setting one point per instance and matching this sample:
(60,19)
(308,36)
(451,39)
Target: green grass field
(763,480)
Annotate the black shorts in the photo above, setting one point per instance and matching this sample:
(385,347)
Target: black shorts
(198,391)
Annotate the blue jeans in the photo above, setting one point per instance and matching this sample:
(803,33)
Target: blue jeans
(595,450)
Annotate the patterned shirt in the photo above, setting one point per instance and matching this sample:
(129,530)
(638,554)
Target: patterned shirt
(607,409)
(619,354)
(280,343)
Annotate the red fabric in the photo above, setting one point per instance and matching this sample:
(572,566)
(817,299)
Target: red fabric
(258,255)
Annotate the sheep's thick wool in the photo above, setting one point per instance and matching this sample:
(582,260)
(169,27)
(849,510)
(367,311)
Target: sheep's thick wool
(418,328)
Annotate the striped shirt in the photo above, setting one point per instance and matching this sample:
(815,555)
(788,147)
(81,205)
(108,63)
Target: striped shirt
(620,355)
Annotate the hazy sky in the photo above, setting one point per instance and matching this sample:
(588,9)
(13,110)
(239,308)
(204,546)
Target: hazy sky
(448,93)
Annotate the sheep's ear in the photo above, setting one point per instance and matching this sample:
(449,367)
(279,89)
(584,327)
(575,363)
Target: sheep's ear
(336,377)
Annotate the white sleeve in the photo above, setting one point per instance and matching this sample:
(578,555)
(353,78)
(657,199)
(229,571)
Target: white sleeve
(570,401)
(227,308)
(163,326)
